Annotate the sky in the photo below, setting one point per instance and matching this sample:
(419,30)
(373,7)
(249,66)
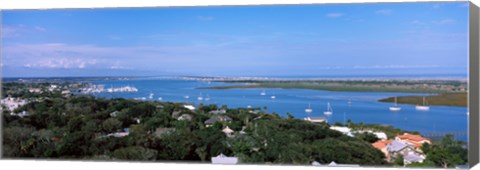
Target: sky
(276,40)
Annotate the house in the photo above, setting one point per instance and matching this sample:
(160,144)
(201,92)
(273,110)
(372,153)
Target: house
(398,147)
(119,134)
(415,140)
(382,146)
(176,114)
(23,114)
(228,132)
(189,107)
(222,159)
(185,117)
(254,111)
(344,130)
(218,118)
(381,135)
(411,158)
(222,111)
(114,114)
(316,119)
(35,90)
(66,92)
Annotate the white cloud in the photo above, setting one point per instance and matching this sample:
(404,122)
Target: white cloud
(65,63)
(444,21)
(335,15)
(10,31)
(384,12)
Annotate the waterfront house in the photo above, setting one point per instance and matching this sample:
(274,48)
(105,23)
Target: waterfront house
(316,119)
(345,130)
(222,159)
(217,118)
(381,135)
(415,140)
(382,146)
(398,147)
(189,107)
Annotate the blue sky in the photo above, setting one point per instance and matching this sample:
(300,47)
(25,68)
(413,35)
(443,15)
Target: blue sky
(292,40)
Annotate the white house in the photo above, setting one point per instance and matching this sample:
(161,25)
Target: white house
(344,130)
(228,131)
(316,119)
(189,107)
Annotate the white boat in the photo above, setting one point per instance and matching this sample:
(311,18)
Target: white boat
(273,97)
(207,98)
(200,97)
(329,110)
(423,107)
(249,106)
(150,96)
(263,93)
(186,97)
(395,107)
(308,110)
(160,98)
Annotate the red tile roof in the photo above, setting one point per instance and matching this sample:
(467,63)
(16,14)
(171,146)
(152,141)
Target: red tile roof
(413,138)
(382,144)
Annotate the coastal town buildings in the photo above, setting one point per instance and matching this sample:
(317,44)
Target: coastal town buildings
(217,118)
(407,145)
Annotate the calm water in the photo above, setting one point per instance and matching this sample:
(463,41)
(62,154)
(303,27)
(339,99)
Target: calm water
(363,108)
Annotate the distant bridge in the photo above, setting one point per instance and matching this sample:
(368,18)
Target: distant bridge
(435,134)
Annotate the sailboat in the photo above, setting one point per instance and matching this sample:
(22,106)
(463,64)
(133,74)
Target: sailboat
(273,97)
(308,110)
(395,107)
(200,97)
(150,96)
(263,93)
(207,98)
(423,107)
(329,110)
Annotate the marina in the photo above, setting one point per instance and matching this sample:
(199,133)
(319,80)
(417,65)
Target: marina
(355,106)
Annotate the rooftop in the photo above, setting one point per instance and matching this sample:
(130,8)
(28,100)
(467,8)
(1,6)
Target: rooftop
(382,144)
